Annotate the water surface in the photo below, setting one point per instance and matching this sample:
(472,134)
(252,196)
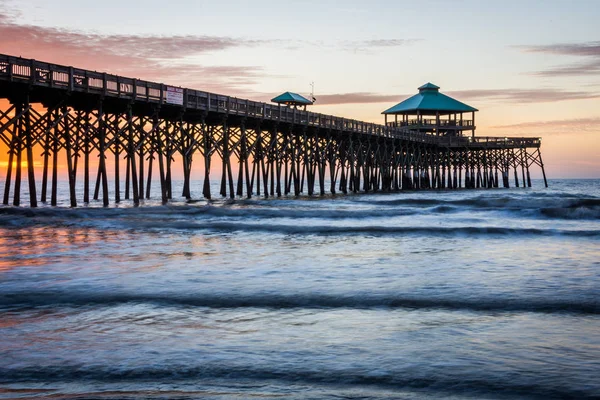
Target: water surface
(454,294)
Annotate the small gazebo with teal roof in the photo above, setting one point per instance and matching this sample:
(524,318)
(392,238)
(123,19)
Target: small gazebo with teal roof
(432,112)
(292,100)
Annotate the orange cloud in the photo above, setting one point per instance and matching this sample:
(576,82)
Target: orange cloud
(356,98)
(523,95)
(155,58)
(565,126)
(500,95)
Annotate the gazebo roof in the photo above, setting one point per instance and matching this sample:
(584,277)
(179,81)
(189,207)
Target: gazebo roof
(429,100)
(290,98)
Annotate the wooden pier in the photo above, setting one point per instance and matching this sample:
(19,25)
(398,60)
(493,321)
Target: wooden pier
(263,149)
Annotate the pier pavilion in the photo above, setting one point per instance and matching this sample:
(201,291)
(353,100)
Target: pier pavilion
(430,111)
(292,100)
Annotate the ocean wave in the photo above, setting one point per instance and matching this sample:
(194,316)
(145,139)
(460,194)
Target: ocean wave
(373,230)
(499,202)
(575,213)
(580,208)
(164,221)
(470,383)
(294,301)
(242,210)
(302,213)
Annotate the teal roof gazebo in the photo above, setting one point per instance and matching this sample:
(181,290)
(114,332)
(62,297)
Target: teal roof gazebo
(429,102)
(292,99)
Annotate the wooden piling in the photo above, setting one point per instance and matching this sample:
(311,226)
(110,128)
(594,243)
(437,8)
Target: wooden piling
(46,155)
(117,153)
(67,137)
(131,153)
(102,156)
(18,149)
(11,153)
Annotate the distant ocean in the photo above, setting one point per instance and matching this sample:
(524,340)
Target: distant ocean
(482,294)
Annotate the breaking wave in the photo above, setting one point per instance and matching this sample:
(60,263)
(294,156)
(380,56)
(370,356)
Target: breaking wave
(299,300)
(376,230)
(432,379)
(354,208)
(224,219)
(560,207)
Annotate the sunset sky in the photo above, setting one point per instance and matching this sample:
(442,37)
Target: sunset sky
(532,68)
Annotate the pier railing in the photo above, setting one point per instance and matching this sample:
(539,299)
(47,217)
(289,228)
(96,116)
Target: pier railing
(465,123)
(489,142)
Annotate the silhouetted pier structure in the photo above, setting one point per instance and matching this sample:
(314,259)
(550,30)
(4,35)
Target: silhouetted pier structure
(277,150)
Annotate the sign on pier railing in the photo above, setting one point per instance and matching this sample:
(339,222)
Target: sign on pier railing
(174,95)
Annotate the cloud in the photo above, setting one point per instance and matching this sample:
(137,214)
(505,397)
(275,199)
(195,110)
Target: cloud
(520,96)
(589,68)
(576,125)
(355,98)
(569,49)
(155,47)
(150,57)
(369,45)
(158,58)
(523,95)
(589,51)
(388,42)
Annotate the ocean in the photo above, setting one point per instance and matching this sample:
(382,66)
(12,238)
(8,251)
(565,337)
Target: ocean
(466,294)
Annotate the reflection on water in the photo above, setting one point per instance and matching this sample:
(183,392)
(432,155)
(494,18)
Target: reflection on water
(479,294)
